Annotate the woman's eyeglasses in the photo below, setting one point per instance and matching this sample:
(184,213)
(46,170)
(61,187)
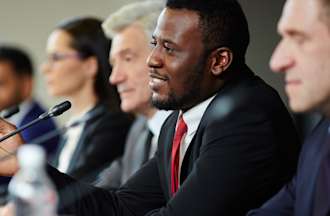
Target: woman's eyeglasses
(55,57)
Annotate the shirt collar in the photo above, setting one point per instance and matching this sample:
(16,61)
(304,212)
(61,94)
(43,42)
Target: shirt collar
(80,115)
(193,116)
(156,121)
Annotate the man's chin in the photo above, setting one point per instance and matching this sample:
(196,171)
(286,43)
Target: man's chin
(163,104)
(297,107)
(126,107)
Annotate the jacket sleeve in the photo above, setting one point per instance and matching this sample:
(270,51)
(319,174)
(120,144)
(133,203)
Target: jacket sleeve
(110,177)
(281,204)
(139,195)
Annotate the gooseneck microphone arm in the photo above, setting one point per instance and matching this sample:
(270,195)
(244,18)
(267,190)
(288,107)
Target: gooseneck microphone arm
(55,132)
(20,129)
(54,111)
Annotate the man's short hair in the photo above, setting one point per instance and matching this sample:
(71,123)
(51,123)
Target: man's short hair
(18,58)
(325,4)
(144,12)
(222,22)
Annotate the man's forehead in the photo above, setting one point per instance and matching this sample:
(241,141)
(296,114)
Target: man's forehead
(175,22)
(299,14)
(120,45)
(128,37)
(7,65)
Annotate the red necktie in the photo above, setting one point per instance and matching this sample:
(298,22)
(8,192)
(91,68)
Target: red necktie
(180,131)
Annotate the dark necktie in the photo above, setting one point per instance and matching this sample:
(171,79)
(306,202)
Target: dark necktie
(179,133)
(147,146)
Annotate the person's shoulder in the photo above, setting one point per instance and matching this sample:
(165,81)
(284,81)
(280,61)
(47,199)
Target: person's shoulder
(253,92)
(248,99)
(35,108)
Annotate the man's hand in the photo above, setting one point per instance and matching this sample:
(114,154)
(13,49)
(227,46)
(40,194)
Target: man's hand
(7,210)
(8,165)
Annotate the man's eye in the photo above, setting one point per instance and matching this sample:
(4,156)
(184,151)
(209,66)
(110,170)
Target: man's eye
(153,43)
(168,49)
(301,40)
(298,38)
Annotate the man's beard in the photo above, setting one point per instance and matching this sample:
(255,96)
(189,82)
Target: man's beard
(193,87)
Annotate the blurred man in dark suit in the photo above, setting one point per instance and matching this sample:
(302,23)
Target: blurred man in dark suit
(16,85)
(303,56)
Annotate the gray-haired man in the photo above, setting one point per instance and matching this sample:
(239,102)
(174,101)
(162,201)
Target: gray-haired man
(130,29)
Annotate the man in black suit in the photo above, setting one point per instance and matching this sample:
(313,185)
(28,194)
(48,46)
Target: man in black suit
(303,55)
(234,144)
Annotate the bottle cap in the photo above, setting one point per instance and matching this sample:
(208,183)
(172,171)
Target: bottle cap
(31,155)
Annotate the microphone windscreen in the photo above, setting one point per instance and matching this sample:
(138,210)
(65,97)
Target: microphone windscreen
(60,108)
(10,112)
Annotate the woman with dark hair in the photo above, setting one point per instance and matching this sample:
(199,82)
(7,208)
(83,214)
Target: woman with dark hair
(77,68)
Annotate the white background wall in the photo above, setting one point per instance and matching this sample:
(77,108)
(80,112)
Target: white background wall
(28,24)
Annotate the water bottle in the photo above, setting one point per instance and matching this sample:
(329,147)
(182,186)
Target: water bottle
(31,191)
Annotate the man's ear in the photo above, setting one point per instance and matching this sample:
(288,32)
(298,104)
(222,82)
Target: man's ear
(220,60)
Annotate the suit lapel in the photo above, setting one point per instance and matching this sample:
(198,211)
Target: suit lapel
(193,150)
(315,150)
(84,137)
(165,142)
(321,198)
(212,112)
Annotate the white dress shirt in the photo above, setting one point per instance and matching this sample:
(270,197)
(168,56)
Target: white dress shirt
(192,118)
(155,124)
(72,136)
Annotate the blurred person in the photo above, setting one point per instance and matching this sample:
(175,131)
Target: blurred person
(77,69)
(303,56)
(229,145)
(130,29)
(16,87)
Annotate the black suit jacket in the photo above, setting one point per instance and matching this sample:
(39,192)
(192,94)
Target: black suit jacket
(308,194)
(101,141)
(244,150)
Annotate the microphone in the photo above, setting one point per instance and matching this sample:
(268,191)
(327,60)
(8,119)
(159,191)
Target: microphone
(54,111)
(7,113)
